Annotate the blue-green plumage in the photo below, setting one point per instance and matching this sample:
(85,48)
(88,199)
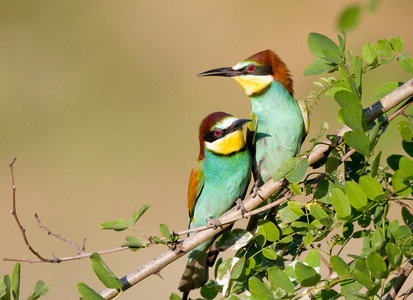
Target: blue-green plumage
(226,178)
(279,124)
(219,177)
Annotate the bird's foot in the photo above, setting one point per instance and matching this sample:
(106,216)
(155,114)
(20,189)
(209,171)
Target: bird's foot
(240,206)
(213,223)
(254,192)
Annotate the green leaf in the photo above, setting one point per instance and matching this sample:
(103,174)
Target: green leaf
(386,61)
(271,231)
(376,265)
(87,292)
(306,276)
(375,166)
(394,254)
(236,270)
(269,253)
(363,278)
(397,44)
(407,216)
(393,161)
(308,238)
(371,187)
(384,48)
(40,289)
(222,271)
(320,215)
(285,168)
(259,290)
(355,195)
(401,183)
(15,282)
(405,130)
(408,147)
(349,18)
(342,43)
(348,230)
(358,72)
(333,161)
(340,203)
(346,98)
(322,192)
(358,140)
(209,291)
(103,272)
(369,54)
(115,225)
(287,215)
(339,265)
(407,64)
(133,243)
(350,117)
(135,216)
(279,280)
(318,67)
(164,230)
(5,285)
(405,243)
(331,56)
(318,44)
(295,188)
(313,259)
(299,171)
(386,88)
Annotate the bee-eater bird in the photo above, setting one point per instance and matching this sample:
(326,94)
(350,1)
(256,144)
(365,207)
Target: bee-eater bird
(219,177)
(281,122)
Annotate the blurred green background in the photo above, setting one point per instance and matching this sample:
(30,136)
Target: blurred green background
(100,104)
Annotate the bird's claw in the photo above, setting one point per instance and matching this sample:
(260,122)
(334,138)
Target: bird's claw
(255,188)
(213,223)
(240,206)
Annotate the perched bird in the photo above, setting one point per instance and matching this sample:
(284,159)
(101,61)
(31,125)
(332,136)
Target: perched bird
(280,123)
(219,177)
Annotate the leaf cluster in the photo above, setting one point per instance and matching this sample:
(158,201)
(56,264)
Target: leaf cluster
(11,287)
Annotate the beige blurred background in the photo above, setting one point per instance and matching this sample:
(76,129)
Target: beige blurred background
(100,104)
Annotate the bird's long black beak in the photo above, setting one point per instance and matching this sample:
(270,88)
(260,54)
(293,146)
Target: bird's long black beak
(225,72)
(238,124)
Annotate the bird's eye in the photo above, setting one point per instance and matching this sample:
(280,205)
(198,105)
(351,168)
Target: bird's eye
(251,68)
(218,132)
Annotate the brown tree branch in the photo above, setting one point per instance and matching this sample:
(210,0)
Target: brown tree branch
(71,244)
(158,263)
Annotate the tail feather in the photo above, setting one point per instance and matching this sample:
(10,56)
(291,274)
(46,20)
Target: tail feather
(195,275)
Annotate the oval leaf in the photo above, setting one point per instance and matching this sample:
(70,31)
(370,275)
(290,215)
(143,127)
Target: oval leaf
(339,265)
(280,280)
(355,195)
(371,187)
(358,140)
(87,292)
(340,203)
(259,289)
(376,265)
(103,272)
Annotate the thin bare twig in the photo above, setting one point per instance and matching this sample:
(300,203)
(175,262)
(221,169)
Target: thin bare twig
(80,252)
(406,206)
(14,213)
(59,236)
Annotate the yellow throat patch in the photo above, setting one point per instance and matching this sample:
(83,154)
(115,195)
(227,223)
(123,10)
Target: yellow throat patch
(232,142)
(252,84)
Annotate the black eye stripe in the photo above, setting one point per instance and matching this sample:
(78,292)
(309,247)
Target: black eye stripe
(258,70)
